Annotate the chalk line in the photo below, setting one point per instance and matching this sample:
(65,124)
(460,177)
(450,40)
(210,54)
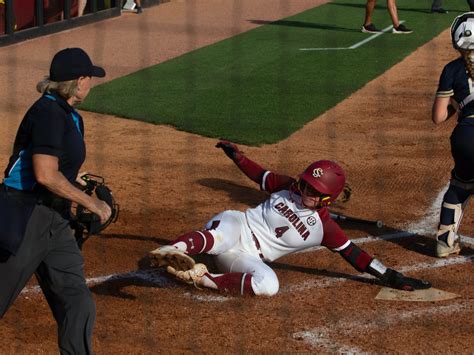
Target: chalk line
(356,45)
(319,337)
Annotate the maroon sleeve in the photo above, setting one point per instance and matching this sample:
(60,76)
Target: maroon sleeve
(267,180)
(334,237)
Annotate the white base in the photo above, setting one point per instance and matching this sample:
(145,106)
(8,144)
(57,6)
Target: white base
(428,295)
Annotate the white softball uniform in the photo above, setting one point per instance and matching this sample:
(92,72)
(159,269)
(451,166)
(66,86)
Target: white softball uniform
(277,227)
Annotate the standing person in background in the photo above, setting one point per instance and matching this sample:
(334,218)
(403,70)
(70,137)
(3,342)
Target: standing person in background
(81,7)
(35,202)
(369,27)
(455,95)
(437,6)
(139,6)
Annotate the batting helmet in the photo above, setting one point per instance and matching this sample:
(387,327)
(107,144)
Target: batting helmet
(326,177)
(462,31)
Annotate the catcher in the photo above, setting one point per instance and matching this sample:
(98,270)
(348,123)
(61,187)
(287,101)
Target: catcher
(455,95)
(295,217)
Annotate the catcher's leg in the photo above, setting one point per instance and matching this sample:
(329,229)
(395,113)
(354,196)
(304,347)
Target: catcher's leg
(454,202)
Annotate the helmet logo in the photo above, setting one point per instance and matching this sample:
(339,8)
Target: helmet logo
(318,172)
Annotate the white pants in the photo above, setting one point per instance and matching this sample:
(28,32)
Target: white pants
(235,251)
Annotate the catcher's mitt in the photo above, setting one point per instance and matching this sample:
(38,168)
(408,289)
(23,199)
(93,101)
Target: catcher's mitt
(87,220)
(172,259)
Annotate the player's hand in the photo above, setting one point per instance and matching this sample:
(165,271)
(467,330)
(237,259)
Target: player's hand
(230,149)
(397,280)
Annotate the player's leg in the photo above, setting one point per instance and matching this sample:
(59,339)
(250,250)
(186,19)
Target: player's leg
(452,209)
(222,232)
(392,10)
(436,5)
(369,10)
(471,5)
(460,189)
(242,274)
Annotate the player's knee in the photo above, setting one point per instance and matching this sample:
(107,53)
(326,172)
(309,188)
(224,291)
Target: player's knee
(265,285)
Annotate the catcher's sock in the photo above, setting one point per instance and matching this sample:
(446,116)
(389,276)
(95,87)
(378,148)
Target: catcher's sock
(232,282)
(195,242)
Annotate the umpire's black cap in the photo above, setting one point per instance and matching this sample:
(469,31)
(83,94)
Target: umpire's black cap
(72,63)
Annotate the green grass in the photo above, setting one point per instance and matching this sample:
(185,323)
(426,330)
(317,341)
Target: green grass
(258,87)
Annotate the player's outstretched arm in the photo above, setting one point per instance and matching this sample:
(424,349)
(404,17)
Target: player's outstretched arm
(363,262)
(253,171)
(267,180)
(230,149)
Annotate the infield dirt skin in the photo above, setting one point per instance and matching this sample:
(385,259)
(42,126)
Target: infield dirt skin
(169,182)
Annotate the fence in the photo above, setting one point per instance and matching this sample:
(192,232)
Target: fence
(25,19)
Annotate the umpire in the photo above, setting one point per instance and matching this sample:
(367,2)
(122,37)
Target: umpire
(35,202)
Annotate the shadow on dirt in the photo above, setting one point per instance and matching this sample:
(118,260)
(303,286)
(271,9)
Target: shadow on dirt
(145,276)
(159,241)
(323,272)
(238,193)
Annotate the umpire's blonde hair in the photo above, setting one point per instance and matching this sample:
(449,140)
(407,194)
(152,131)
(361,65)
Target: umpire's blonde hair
(65,89)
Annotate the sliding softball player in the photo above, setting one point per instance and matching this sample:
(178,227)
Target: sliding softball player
(295,217)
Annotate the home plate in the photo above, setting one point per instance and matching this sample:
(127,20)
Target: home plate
(429,295)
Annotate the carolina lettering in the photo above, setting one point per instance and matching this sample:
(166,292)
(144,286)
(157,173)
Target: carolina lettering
(292,217)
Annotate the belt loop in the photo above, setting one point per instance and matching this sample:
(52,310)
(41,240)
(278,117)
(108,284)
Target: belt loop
(255,240)
(257,244)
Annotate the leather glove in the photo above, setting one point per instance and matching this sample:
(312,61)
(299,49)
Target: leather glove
(397,280)
(230,149)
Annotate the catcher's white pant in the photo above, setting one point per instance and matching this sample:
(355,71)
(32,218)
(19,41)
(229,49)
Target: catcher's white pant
(235,251)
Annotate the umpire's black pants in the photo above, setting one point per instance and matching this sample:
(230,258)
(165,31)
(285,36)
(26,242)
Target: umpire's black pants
(49,250)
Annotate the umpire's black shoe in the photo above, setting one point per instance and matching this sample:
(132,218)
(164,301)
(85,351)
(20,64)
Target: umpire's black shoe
(139,10)
(439,10)
(370,28)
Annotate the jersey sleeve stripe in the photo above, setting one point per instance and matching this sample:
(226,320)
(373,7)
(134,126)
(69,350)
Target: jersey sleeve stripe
(448,93)
(345,245)
(264,178)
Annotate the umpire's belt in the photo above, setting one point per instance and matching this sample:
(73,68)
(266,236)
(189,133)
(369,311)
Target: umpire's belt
(42,197)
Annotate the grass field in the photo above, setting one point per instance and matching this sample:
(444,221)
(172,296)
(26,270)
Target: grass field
(259,87)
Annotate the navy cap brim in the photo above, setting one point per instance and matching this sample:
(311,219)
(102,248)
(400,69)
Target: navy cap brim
(98,71)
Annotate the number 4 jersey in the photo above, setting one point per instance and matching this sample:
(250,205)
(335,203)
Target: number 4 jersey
(282,225)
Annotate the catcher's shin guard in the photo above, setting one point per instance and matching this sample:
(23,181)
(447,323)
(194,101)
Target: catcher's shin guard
(447,239)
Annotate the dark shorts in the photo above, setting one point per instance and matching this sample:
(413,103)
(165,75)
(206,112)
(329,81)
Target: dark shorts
(462,150)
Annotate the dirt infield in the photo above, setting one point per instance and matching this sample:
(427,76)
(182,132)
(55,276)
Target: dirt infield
(170,182)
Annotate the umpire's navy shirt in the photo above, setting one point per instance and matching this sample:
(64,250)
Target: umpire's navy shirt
(52,127)
(455,82)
